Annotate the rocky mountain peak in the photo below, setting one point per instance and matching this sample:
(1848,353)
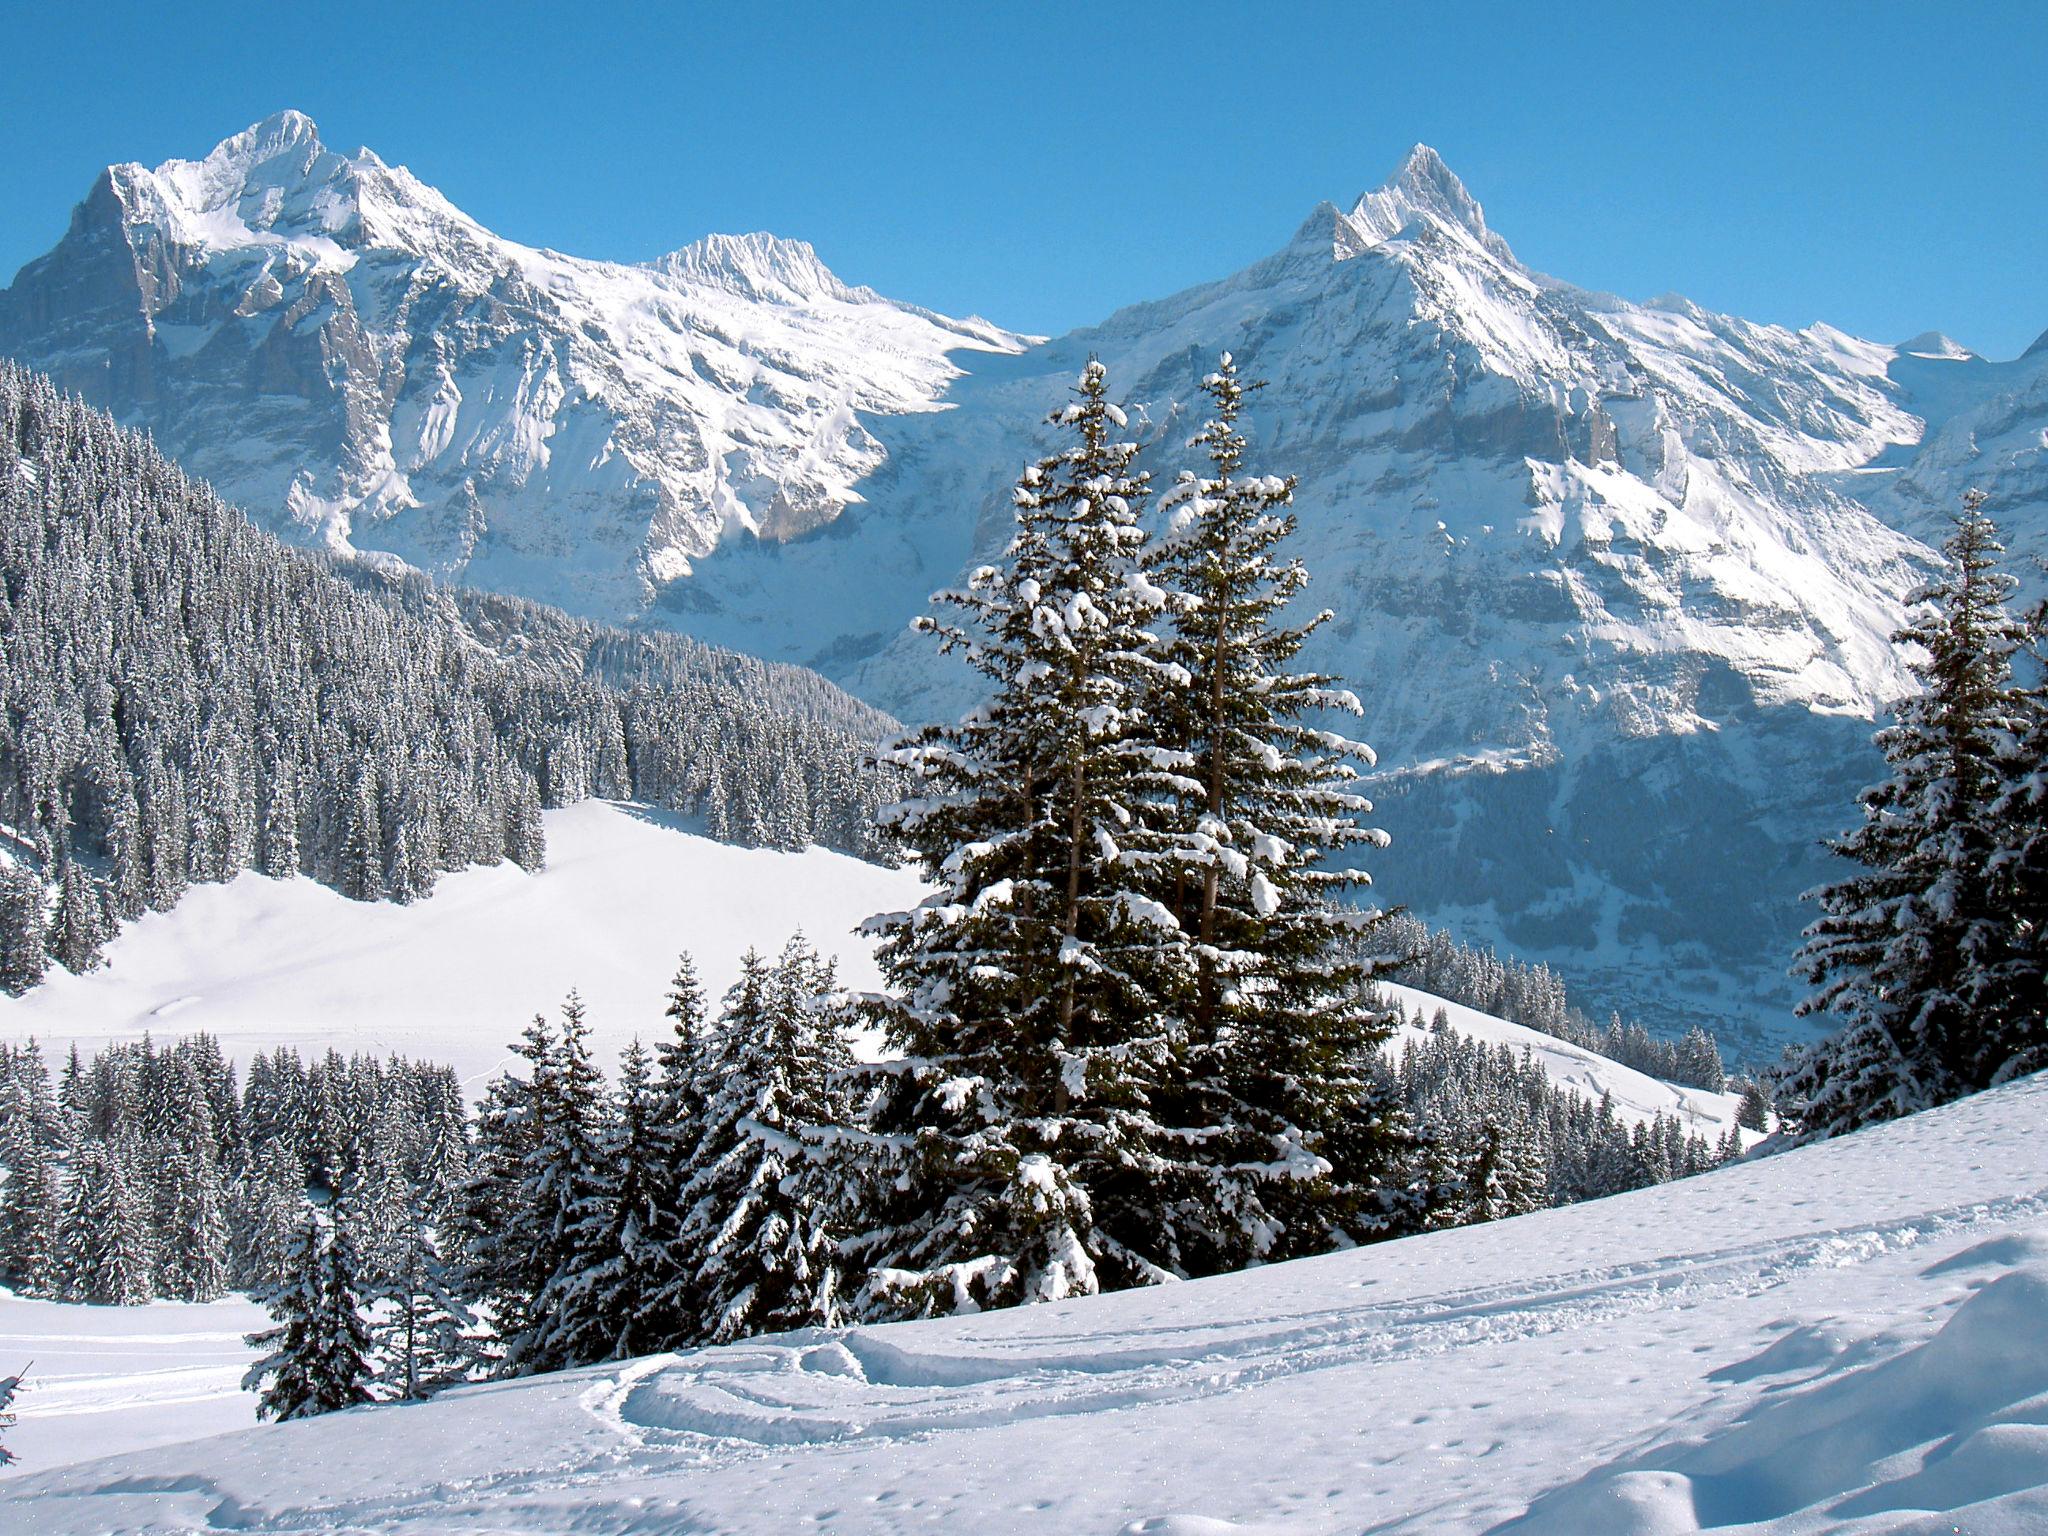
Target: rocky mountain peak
(1423,188)
(756,266)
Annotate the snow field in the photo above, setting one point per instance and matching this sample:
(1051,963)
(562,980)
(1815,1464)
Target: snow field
(109,1379)
(455,977)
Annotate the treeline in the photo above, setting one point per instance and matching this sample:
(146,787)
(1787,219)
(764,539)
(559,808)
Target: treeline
(183,698)
(707,1193)
(1534,996)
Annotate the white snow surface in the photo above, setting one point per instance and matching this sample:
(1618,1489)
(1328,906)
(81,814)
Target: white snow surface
(106,1379)
(455,977)
(1845,1338)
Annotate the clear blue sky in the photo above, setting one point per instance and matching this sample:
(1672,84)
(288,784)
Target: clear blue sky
(1880,166)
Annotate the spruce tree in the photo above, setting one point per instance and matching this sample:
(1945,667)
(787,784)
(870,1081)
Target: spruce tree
(558,1179)
(318,1351)
(604,1304)
(684,1068)
(1904,947)
(267,1208)
(24,924)
(192,1253)
(2012,1002)
(755,1214)
(1292,1138)
(1013,1140)
(30,1202)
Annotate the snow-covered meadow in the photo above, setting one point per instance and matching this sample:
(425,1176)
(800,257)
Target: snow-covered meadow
(454,977)
(1843,1338)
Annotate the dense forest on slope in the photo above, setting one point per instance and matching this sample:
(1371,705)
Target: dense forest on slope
(182,698)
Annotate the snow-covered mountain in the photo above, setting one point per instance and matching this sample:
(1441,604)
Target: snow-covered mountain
(341,350)
(1836,1339)
(1615,580)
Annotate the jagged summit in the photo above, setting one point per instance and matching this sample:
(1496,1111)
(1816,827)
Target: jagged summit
(1423,196)
(1424,188)
(756,266)
(284,148)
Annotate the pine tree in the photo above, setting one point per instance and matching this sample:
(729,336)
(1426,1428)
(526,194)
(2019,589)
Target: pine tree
(193,1250)
(508,1259)
(1904,947)
(684,1066)
(318,1351)
(607,1307)
(1293,1140)
(29,1198)
(23,927)
(1753,1112)
(1013,1139)
(2012,1001)
(267,1209)
(755,1213)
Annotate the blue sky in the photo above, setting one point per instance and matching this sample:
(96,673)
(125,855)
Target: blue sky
(1880,166)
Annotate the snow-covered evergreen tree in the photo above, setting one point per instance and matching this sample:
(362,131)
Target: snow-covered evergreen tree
(317,1354)
(1014,1137)
(2012,1001)
(560,1182)
(755,1215)
(267,1209)
(192,1254)
(422,1328)
(684,1068)
(1292,1145)
(24,927)
(29,1197)
(606,1302)
(1903,947)
(107,1249)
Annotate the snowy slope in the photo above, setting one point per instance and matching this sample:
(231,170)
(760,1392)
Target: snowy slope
(1636,1095)
(1844,1338)
(454,978)
(347,354)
